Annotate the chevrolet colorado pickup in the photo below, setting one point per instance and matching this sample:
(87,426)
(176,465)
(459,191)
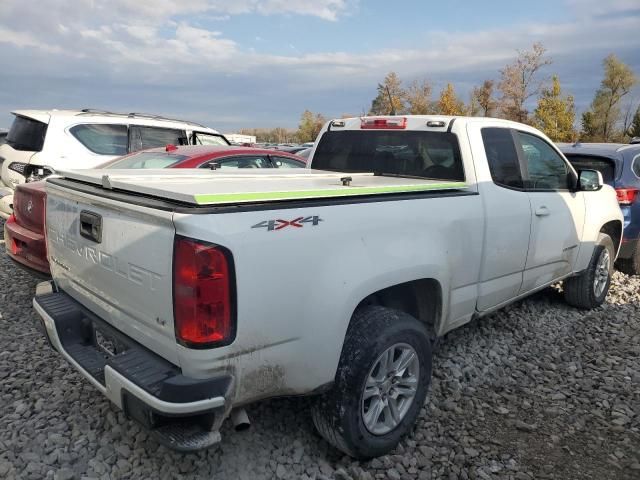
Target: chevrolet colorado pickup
(185,295)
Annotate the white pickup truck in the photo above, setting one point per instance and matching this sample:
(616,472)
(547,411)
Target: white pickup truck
(184,295)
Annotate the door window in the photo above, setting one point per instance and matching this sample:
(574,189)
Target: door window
(141,137)
(284,162)
(246,161)
(104,139)
(546,168)
(502,157)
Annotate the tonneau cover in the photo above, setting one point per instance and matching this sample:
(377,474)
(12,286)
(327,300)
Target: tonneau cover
(215,187)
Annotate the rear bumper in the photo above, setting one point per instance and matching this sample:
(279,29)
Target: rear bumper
(26,246)
(144,385)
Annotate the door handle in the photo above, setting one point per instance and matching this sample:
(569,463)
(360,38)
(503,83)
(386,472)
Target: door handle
(542,211)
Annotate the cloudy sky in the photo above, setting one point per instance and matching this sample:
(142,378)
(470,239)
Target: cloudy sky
(260,63)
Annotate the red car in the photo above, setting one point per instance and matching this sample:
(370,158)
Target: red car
(24,231)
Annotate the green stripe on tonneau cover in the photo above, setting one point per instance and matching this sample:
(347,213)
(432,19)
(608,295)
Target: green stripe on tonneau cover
(206,198)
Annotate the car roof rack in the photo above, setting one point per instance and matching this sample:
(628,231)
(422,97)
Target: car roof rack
(95,111)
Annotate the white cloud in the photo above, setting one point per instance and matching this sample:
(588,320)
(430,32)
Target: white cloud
(596,8)
(164,44)
(121,34)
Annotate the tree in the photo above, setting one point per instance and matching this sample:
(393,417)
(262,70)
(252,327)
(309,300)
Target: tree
(634,128)
(605,107)
(555,114)
(519,82)
(483,97)
(589,130)
(391,96)
(310,125)
(418,97)
(449,104)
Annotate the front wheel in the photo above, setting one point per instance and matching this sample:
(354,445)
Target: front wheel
(380,386)
(589,289)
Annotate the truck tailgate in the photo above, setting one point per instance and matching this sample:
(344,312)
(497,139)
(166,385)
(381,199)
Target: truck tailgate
(116,260)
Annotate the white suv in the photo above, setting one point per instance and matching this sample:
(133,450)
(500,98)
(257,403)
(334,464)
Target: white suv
(42,141)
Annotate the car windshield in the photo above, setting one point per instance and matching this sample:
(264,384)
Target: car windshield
(26,134)
(146,160)
(422,154)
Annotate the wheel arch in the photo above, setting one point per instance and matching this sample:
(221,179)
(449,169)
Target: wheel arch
(421,298)
(614,230)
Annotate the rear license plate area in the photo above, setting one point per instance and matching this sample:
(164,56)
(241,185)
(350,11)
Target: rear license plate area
(108,343)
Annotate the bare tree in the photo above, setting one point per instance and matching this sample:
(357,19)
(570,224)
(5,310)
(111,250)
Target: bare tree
(483,97)
(519,82)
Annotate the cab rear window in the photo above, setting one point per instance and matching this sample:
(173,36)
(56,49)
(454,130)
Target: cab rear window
(433,155)
(27,134)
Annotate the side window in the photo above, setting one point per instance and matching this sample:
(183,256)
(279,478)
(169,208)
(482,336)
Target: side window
(248,161)
(150,137)
(636,166)
(547,169)
(202,138)
(502,157)
(284,162)
(104,139)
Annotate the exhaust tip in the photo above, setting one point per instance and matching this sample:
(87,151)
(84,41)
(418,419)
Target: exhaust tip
(240,420)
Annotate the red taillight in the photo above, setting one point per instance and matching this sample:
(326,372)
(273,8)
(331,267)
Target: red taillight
(13,245)
(202,294)
(384,123)
(626,196)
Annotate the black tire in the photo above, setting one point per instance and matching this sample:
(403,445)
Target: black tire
(580,291)
(337,414)
(631,265)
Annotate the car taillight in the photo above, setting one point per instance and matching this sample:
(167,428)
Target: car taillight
(626,196)
(384,123)
(203,294)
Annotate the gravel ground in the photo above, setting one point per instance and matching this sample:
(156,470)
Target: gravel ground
(538,390)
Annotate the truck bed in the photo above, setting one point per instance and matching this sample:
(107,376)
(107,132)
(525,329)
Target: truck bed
(207,187)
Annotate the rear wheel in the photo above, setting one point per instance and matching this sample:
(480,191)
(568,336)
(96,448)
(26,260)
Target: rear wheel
(589,289)
(380,386)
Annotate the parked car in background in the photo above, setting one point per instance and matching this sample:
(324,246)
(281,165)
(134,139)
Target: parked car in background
(306,153)
(42,141)
(24,229)
(206,156)
(620,168)
(295,150)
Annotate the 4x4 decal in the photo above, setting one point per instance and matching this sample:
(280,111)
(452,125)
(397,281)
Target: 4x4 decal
(279,224)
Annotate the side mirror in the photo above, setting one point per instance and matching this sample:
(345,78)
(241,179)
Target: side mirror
(590,180)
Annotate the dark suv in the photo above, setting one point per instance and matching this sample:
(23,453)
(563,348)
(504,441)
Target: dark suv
(620,168)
